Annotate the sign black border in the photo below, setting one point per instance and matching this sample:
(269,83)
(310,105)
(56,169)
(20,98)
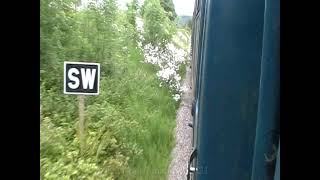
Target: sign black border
(84,63)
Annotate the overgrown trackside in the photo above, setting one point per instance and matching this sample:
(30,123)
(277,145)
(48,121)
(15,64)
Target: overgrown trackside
(129,125)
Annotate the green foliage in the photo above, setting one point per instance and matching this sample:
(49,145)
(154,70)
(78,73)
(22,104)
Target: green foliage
(132,12)
(157,26)
(168,6)
(129,125)
(189,25)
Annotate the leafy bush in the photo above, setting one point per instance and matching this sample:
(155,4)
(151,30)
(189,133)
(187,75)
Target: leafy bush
(158,29)
(130,124)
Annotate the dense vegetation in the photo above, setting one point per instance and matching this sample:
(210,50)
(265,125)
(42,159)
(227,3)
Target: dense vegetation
(130,124)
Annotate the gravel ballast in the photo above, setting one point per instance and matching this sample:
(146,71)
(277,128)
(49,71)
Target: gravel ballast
(183,148)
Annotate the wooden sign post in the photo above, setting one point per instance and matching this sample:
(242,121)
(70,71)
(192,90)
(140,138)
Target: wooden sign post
(82,122)
(81,79)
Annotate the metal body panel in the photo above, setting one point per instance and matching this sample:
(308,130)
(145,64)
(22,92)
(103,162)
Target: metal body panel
(277,173)
(229,88)
(236,84)
(268,123)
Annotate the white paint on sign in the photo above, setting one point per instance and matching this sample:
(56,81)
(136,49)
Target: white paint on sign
(81,78)
(76,81)
(88,78)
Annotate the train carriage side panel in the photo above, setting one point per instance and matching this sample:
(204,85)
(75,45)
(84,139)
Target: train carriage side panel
(229,88)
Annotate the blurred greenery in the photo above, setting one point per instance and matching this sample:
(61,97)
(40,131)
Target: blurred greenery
(130,124)
(158,28)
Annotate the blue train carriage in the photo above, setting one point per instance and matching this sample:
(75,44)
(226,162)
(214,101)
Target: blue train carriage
(236,90)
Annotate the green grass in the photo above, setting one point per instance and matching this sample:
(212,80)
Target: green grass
(131,113)
(154,108)
(130,126)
